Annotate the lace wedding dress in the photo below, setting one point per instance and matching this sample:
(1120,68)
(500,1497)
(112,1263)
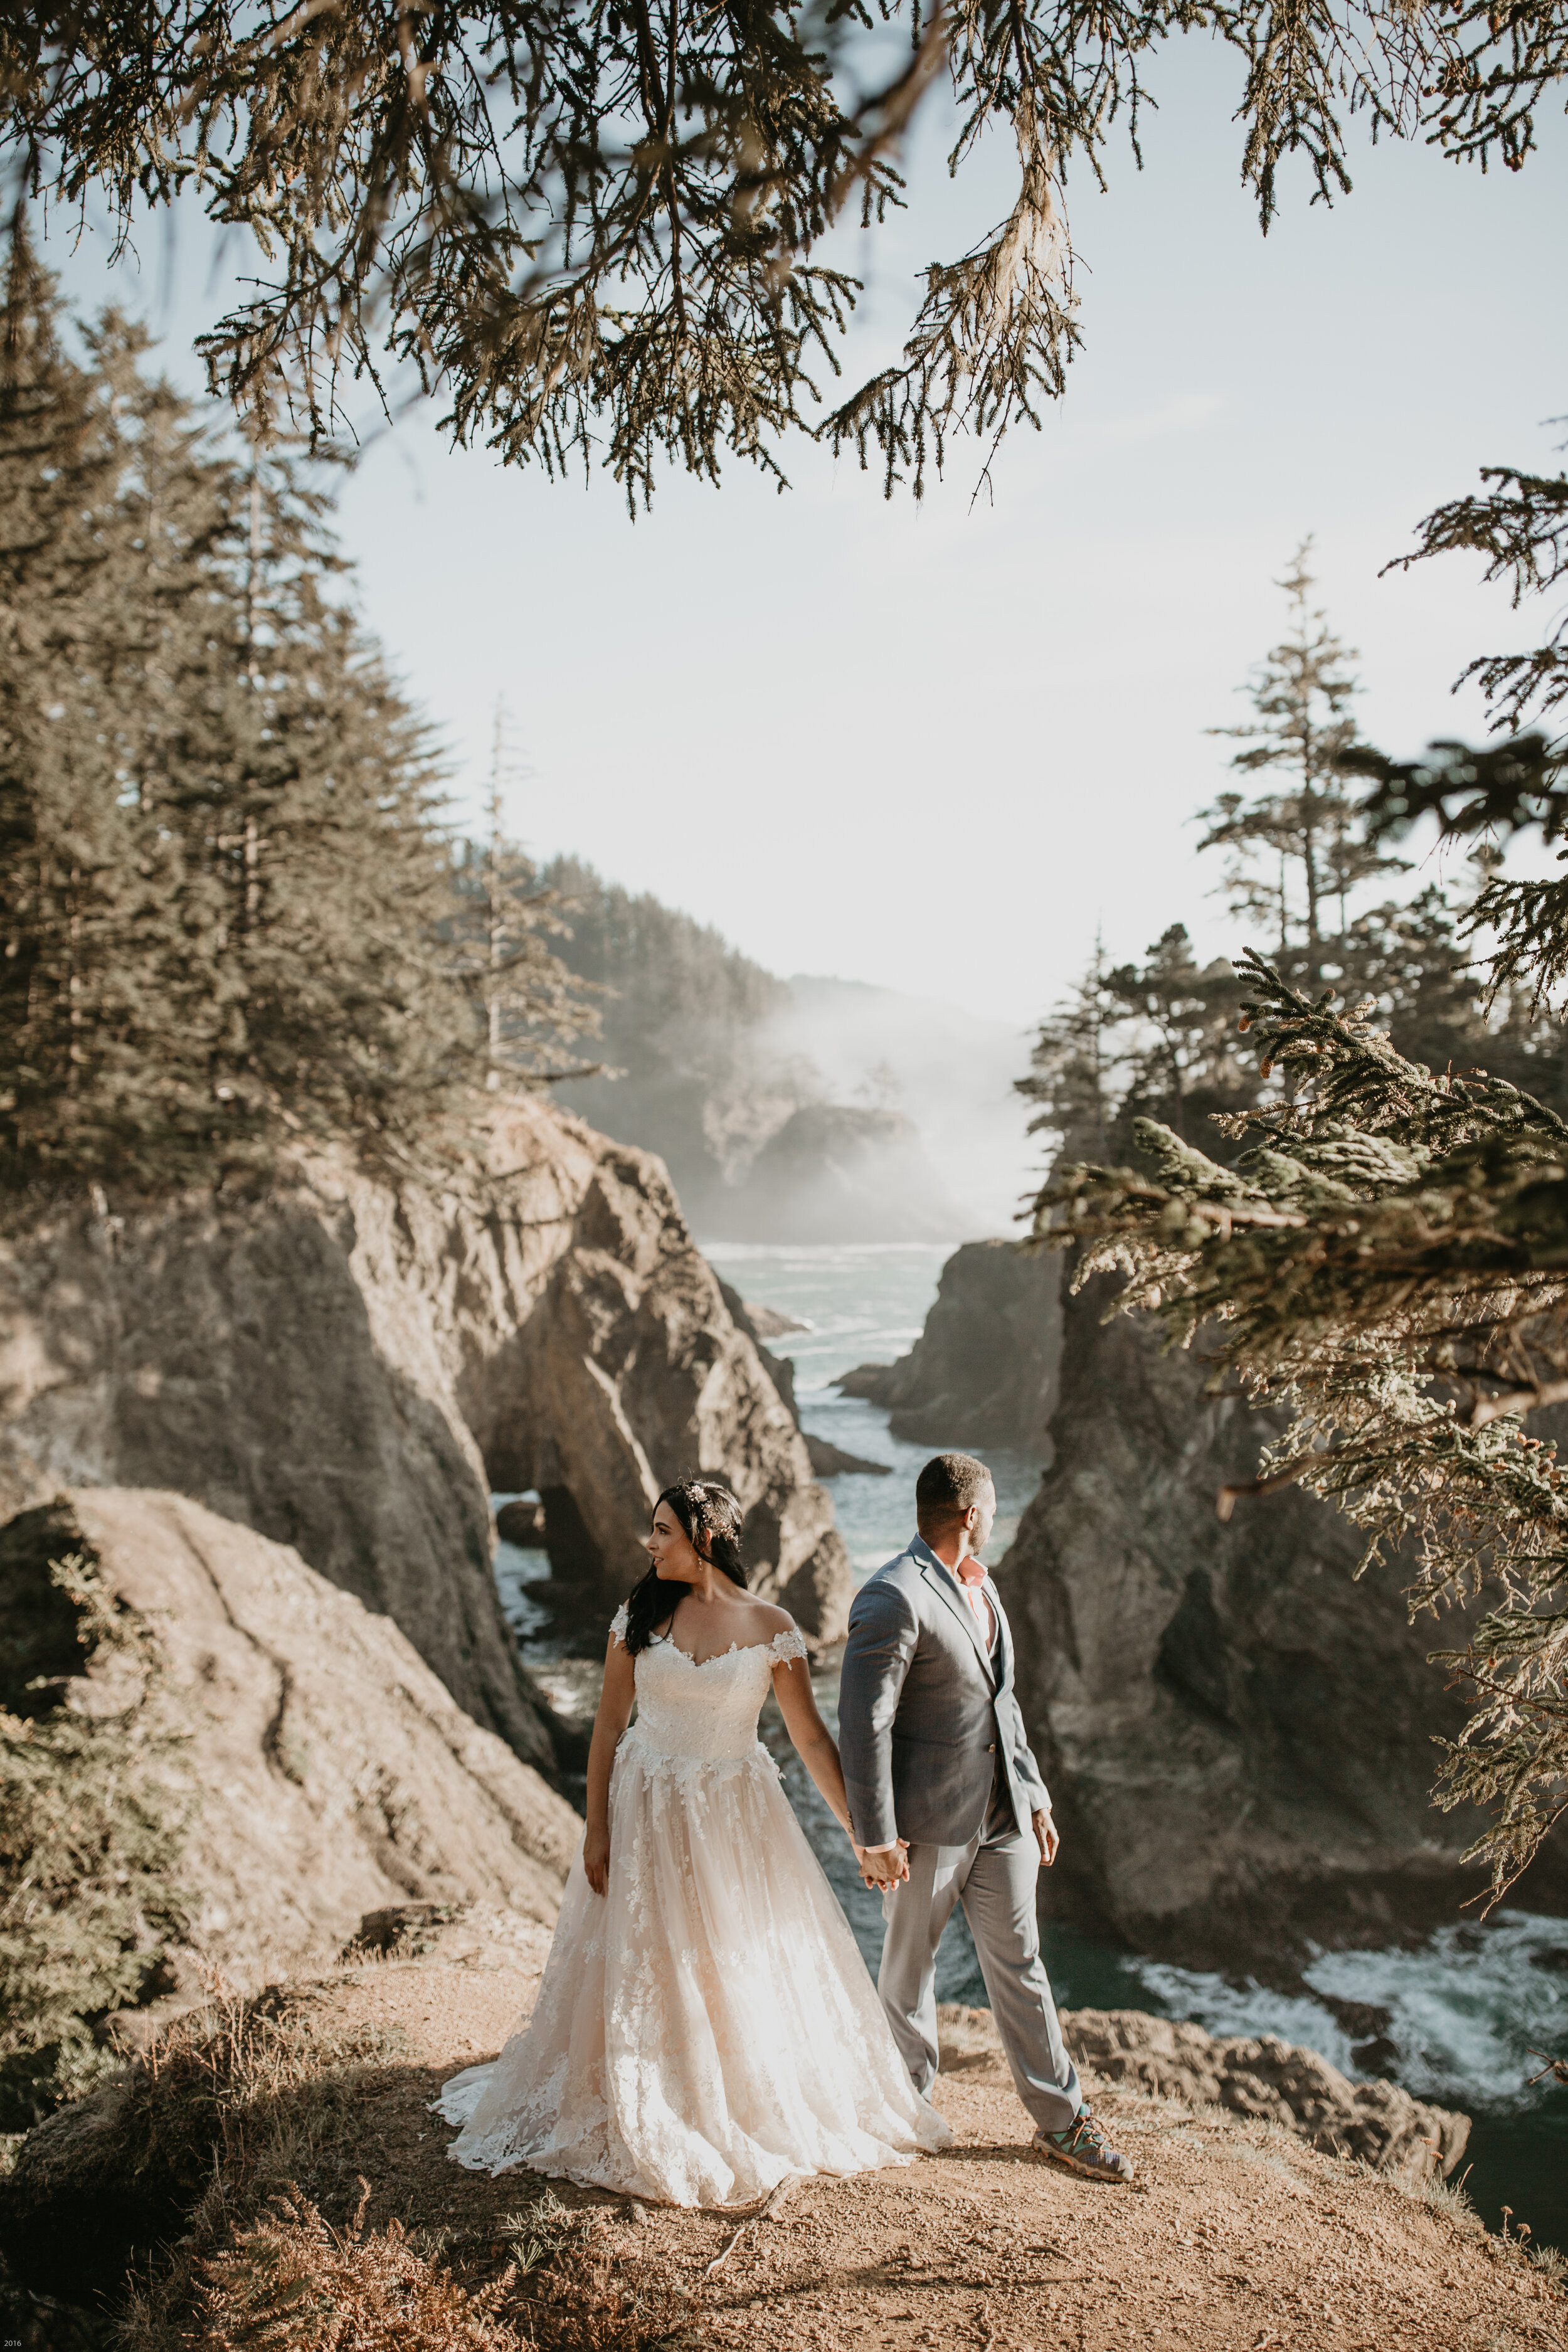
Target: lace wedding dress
(708,2027)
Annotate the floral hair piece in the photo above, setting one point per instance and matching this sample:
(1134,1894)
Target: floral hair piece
(699,1500)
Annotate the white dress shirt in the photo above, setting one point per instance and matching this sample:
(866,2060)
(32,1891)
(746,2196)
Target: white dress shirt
(979,1600)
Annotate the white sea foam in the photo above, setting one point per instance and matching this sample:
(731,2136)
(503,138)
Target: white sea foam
(1469,2007)
(1466,2009)
(1225,2008)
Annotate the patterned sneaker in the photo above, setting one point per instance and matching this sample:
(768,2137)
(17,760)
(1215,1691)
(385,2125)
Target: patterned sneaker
(1083,2147)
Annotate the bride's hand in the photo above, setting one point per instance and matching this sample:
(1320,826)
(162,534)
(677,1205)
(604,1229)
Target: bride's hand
(886,1868)
(596,1860)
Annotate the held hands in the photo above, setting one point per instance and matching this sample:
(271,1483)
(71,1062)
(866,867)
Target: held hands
(883,1870)
(596,1860)
(892,1868)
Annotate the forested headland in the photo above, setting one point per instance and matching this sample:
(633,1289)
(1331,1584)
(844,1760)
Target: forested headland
(240,915)
(235,913)
(785,1109)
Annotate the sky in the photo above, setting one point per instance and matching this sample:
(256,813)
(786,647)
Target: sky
(942,747)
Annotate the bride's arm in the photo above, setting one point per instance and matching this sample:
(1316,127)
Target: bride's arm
(615,1702)
(814,1743)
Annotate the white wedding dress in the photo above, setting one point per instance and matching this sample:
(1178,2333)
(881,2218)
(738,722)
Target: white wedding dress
(708,2027)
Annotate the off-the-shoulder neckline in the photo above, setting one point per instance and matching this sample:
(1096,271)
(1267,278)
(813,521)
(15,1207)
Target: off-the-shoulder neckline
(736,1649)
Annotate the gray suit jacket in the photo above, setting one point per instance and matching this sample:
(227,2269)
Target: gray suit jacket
(923,1715)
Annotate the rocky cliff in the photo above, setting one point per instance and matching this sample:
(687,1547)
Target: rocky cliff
(349,1365)
(307,1764)
(1238,1735)
(985,1370)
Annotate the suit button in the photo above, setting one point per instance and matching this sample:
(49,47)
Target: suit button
(991,1749)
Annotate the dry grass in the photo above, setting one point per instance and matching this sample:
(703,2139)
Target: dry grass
(251,2094)
(245,2103)
(290,2283)
(232,2105)
(582,2300)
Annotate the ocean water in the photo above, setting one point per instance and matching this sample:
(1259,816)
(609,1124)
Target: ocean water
(1471,2014)
(862,1304)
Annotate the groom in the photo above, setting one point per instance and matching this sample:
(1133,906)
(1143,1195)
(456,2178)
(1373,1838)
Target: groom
(948,1804)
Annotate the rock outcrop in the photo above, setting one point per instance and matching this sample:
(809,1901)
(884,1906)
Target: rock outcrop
(769,1322)
(1270,2081)
(1237,1734)
(325,1772)
(349,1365)
(523,1522)
(836,1173)
(1265,2080)
(985,1370)
(830,1461)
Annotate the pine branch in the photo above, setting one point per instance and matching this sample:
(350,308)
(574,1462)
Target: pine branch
(593,224)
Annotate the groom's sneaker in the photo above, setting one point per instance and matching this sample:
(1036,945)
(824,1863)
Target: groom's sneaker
(1083,2147)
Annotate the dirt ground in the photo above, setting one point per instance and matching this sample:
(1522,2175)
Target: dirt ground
(1235,2236)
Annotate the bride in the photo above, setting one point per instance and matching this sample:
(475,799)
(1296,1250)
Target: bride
(705,2026)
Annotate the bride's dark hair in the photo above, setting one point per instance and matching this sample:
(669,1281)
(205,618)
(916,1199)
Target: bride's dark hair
(712,1519)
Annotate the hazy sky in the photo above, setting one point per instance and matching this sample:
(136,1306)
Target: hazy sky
(936,747)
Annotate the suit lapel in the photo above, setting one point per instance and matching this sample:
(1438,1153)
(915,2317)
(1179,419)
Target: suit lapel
(937,1577)
(1003,1638)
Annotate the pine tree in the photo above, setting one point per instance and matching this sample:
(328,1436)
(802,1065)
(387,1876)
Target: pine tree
(1182,1062)
(596,229)
(96,1043)
(529,1005)
(1431,995)
(308,799)
(1151,1039)
(1296,853)
(1073,1068)
(227,870)
(1518,522)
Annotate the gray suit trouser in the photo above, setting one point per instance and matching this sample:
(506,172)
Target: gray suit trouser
(993,1877)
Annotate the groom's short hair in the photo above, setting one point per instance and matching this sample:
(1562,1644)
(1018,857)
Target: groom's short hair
(946,1487)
